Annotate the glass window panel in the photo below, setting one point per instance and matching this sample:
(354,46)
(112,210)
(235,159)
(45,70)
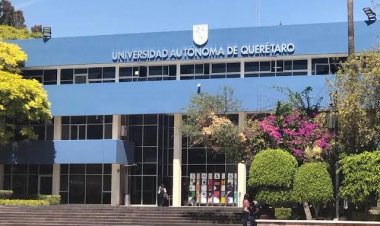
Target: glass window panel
(64,197)
(94,189)
(288,65)
(78,119)
(50,132)
(299,64)
(187,69)
(142,71)
(135,189)
(165,70)
(19,184)
(218,68)
(135,135)
(77,189)
(95,73)
(64,183)
(106,182)
(138,154)
(109,72)
(136,170)
(251,66)
(74,133)
(107,169)
(80,79)
(206,69)
(155,70)
(125,72)
(33,169)
(96,119)
(94,168)
(82,132)
(108,132)
(172,70)
(46,169)
(150,154)
(280,66)
(135,120)
(94,132)
(149,169)
(77,168)
(196,156)
(150,136)
(65,132)
(7,182)
(149,190)
(199,68)
(80,71)
(150,119)
(196,168)
(33,184)
(233,67)
(65,119)
(106,197)
(67,74)
(265,66)
(64,169)
(108,119)
(20,169)
(50,77)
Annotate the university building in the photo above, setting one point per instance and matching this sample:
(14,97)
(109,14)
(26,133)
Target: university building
(118,101)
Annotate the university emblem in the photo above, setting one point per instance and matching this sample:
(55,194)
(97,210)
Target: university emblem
(200,34)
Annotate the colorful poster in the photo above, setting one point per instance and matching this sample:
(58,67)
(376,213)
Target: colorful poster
(235,188)
(192,195)
(216,189)
(204,188)
(230,189)
(223,189)
(198,188)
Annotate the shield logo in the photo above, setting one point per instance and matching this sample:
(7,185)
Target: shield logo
(200,34)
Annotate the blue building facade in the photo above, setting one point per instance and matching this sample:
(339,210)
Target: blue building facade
(117,103)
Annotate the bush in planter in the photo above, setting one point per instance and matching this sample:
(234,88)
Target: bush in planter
(5,194)
(51,199)
(21,202)
(283,213)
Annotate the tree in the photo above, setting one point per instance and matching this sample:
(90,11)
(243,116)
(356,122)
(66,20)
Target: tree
(21,101)
(8,33)
(10,16)
(271,174)
(356,94)
(361,177)
(312,184)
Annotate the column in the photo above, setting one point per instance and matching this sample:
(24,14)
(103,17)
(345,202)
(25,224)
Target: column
(309,66)
(57,128)
(177,160)
(116,127)
(242,69)
(242,170)
(178,71)
(56,180)
(115,185)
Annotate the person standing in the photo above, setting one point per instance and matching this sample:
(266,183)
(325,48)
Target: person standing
(246,209)
(254,210)
(162,194)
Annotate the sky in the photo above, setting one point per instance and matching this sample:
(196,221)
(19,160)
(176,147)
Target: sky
(69,18)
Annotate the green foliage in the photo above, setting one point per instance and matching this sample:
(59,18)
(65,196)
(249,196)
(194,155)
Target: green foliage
(283,213)
(11,57)
(21,101)
(275,196)
(22,202)
(312,183)
(356,95)
(5,194)
(272,168)
(10,33)
(361,177)
(51,199)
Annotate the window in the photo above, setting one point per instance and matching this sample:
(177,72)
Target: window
(275,68)
(147,73)
(325,66)
(86,127)
(46,77)
(44,130)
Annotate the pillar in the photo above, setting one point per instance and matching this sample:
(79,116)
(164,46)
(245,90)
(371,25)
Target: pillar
(177,160)
(56,180)
(115,185)
(242,169)
(116,127)
(57,128)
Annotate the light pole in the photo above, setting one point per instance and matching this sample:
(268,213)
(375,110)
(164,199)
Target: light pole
(332,126)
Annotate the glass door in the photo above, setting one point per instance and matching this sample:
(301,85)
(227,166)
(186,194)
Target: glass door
(45,184)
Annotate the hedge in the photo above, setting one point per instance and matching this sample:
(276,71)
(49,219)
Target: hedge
(21,202)
(5,194)
(283,213)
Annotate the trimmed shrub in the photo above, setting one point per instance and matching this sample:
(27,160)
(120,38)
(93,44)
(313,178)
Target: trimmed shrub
(51,199)
(283,213)
(272,168)
(275,197)
(312,183)
(21,202)
(5,194)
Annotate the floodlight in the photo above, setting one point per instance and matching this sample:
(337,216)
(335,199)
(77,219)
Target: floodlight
(46,32)
(370,14)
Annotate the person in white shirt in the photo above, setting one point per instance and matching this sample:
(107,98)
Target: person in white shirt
(162,195)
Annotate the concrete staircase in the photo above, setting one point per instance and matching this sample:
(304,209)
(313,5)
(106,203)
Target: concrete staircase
(70,215)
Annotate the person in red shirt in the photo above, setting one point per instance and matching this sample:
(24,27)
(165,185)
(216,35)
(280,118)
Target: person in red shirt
(246,208)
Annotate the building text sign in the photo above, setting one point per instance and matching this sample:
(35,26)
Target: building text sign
(193,53)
